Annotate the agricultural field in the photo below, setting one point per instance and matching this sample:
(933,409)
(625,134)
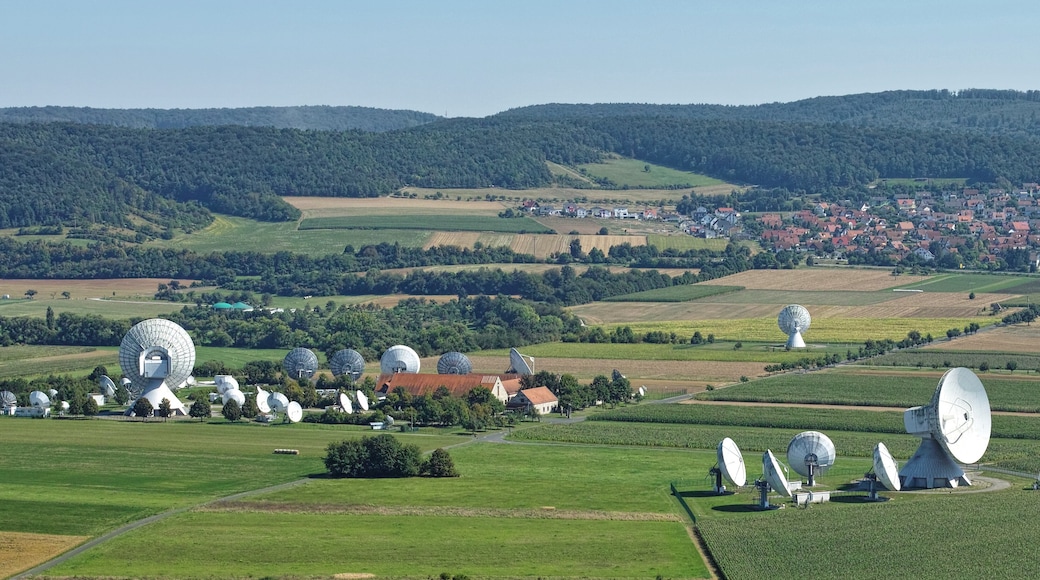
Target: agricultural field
(636,173)
(445,223)
(817,279)
(967,283)
(598,362)
(997,362)
(1016,338)
(20,551)
(312,207)
(512,198)
(573,353)
(684,293)
(685,242)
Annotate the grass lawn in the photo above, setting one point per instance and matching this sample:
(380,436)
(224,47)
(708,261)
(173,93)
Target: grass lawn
(633,173)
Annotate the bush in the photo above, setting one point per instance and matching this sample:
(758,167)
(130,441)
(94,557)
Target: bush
(200,409)
(143,408)
(439,464)
(379,456)
(232,411)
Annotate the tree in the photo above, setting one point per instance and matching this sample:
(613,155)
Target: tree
(379,456)
(66,295)
(439,464)
(971,296)
(603,231)
(90,407)
(232,411)
(30,293)
(250,410)
(143,408)
(165,409)
(122,396)
(200,409)
(1011,365)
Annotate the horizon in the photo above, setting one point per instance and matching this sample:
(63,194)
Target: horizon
(463,58)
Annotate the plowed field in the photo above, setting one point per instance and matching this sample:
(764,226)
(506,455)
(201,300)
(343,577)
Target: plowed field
(816,279)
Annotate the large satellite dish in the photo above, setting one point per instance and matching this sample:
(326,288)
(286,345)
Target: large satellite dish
(278,402)
(811,453)
(793,321)
(300,363)
(362,400)
(8,399)
(954,427)
(518,363)
(155,354)
(262,404)
(106,386)
(233,395)
(294,412)
(730,465)
(389,422)
(39,399)
(225,383)
(347,362)
(345,404)
(774,474)
(454,363)
(399,359)
(884,470)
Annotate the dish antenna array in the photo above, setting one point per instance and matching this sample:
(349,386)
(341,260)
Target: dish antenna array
(294,412)
(518,363)
(347,362)
(153,355)
(300,363)
(454,363)
(811,453)
(399,359)
(793,321)
(954,427)
(730,465)
(772,477)
(106,386)
(885,471)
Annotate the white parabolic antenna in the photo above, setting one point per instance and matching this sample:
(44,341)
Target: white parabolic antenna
(811,453)
(399,359)
(731,462)
(234,395)
(344,403)
(8,399)
(39,399)
(773,474)
(261,401)
(954,427)
(362,400)
(518,363)
(106,386)
(294,412)
(155,354)
(225,383)
(885,467)
(278,402)
(793,321)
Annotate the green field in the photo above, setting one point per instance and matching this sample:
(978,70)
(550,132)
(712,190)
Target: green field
(683,293)
(806,297)
(683,243)
(997,361)
(823,330)
(632,173)
(719,351)
(970,283)
(143,307)
(436,222)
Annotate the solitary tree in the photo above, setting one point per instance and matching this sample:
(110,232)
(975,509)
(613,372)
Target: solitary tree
(439,464)
(165,409)
(232,411)
(30,293)
(66,295)
(143,408)
(200,409)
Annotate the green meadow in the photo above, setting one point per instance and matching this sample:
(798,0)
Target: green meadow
(437,222)
(633,173)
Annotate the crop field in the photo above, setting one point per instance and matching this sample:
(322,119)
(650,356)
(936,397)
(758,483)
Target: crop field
(684,242)
(700,372)
(69,360)
(967,283)
(558,194)
(448,223)
(20,551)
(633,173)
(996,361)
(101,288)
(817,279)
(381,206)
(1017,338)
(719,352)
(684,293)
(566,225)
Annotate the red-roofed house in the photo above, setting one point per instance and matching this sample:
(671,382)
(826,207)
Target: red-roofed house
(427,384)
(540,399)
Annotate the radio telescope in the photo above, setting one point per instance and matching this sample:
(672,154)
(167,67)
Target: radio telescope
(954,427)
(225,383)
(155,354)
(362,400)
(300,363)
(730,466)
(399,359)
(106,386)
(347,362)
(233,395)
(454,363)
(793,321)
(811,453)
(278,402)
(884,470)
(518,363)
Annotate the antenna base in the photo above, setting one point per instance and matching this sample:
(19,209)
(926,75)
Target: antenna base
(932,467)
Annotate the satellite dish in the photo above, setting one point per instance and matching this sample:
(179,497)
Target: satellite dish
(294,412)
(155,355)
(344,403)
(234,395)
(106,386)
(52,392)
(773,474)
(127,384)
(954,427)
(65,406)
(278,402)
(399,359)
(811,453)
(39,399)
(454,363)
(518,363)
(300,363)
(793,321)
(731,462)
(225,383)
(389,421)
(262,398)
(190,381)
(885,469)
(347,362)
(8,399)
(642,391)
(362,400)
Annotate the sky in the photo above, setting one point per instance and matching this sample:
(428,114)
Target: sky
(475,58)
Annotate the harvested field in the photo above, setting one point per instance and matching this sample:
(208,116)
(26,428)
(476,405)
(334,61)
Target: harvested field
(816,279)
(122,287)
(689,373)
(541,246)
(1017,338)
(533,268)
(391,300)
(460,239)
(564,225)
(333,206)
(557,194)
(20,551)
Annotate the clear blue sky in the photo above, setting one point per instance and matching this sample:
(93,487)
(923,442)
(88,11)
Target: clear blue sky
(475,58)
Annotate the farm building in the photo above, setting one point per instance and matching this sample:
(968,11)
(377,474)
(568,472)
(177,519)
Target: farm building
(426,384)
(540,399)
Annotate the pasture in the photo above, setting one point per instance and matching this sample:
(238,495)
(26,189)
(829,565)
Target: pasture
(684,293)
(445,223)
(685,242)
(817,279)
(967,283)
(512,198)
(629,172)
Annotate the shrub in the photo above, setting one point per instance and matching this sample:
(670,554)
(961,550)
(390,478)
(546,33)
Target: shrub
(439,464)
(232,411)
(143,408)
(379,456)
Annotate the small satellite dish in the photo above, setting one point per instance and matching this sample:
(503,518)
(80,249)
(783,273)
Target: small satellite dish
(52,392)
(518,363)
(642,391)
(731,462)
(225,383)
(344,403)
(294,412)
(811,453)
(106,386)
(362,400)
(793,321)
(773,474)
(278,402)
(954,427)
(190,381)
(885,469)
(262,404)
(347,362)
(399,359)
(454,363)
(389,421)
(234,395)
(64,406)
(126,383)
(8,399)
(39,399)
(300,363)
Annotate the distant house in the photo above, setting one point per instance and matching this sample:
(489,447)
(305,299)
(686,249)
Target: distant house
(427,384)
(621,213)
(540,399)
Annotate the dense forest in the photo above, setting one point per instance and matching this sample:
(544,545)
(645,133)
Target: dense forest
(323,118)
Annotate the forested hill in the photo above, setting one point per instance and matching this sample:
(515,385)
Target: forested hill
(318,117)
(992,112)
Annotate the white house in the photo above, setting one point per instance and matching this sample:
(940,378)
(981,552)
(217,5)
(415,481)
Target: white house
(540,399)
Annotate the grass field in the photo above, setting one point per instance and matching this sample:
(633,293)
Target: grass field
(633,173)
(382,206)
(684,242)
(1017,338)
(684,293)
(447,223)
(817,279)
(719,352)
(967,283)
(559,194)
